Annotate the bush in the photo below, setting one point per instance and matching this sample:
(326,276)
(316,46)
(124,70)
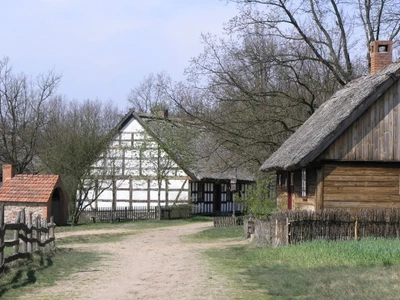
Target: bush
(259,200)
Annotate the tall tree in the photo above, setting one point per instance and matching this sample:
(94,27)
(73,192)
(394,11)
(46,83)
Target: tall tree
(76,136)
(22,114)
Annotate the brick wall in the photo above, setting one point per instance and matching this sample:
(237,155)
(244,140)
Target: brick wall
(11,211)
(381,55)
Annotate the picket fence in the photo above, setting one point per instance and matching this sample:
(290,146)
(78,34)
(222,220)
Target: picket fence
(33,237)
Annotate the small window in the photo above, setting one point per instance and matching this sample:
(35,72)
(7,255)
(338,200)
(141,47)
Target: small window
(304,184)
(383,48)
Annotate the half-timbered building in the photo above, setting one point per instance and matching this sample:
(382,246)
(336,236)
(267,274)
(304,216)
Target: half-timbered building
(347,154)
(156,159)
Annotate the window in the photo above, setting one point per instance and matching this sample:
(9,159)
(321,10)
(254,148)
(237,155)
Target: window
(304,184)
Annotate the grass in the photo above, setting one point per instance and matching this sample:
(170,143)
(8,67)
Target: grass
(136,225)
(43,270)
(368,269)
(218,233)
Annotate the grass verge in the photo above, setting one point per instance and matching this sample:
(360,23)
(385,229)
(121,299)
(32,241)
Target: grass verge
(43,270)
(135,225)
(216,233)
(368,269)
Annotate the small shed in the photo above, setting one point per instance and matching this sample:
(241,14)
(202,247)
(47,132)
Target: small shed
(38,194)
(347,154)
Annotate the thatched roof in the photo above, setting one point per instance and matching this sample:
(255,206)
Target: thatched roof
(331,119)
(194,149)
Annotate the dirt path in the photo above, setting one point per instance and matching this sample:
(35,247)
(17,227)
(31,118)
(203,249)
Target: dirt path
(155,264)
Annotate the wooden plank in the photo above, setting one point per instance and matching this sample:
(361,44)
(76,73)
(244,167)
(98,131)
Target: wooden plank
(381,117)
(391,190)
(395,130)
(390,142)
(360,183)
(392,178)
(360,170)
(355,204)
(360,197)
(319,201)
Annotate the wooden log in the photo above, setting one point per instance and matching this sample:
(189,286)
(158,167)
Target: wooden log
(38,232)
(23,232)
(51,234)
(16,234)
(46,248)
(29,233)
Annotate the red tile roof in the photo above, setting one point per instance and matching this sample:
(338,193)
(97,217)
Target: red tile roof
(28,188)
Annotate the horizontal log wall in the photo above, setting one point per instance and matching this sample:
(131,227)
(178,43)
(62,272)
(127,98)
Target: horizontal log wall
(355,186)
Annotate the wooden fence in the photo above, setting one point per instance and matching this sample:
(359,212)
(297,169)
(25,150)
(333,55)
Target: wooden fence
(26,239)
(120,214)
(228,221)
(292,227)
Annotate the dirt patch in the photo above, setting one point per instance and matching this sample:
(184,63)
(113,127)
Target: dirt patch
(154,264)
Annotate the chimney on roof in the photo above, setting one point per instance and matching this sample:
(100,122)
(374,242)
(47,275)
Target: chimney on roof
(161,113)
(8,171)
(381,53)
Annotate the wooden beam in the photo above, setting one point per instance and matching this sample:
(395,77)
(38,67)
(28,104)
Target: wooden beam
(319,201)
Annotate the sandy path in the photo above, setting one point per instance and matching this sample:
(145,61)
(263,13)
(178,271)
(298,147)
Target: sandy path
(155,264)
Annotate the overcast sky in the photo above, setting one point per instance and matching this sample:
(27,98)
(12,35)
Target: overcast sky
(104,48)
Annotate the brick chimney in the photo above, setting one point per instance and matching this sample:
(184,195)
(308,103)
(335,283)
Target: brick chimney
(161,113)
(381,53)
(8,171)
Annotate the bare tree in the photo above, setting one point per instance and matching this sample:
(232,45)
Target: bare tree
(22,114)
(72,145)
(326,28)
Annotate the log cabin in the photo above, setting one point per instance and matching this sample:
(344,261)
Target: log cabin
(157,157)
(347,154)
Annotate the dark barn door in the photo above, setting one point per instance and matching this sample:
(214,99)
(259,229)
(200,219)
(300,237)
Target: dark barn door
(56,207)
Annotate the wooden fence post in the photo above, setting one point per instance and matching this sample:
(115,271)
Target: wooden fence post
(356,229)
(2,237)
(51,234)
(46,247)
(23,232)
(38,233)
(16,234)
(29,234)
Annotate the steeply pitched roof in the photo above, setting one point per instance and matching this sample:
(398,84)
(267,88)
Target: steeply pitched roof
(196,151)
(331,119)
(29,188)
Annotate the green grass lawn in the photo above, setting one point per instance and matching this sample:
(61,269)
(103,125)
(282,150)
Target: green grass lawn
(135,225)
(216,233)
(368,269)
(43,270)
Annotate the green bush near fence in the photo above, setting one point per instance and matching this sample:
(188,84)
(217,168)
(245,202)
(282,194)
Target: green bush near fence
(258,201)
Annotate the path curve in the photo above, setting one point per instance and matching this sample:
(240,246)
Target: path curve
(154,264)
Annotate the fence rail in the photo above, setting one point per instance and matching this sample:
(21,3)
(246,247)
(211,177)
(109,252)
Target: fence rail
(228,221)
(293,227)
(27,238)
(120,214)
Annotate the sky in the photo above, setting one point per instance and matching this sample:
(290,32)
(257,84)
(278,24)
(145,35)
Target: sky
(104,48)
